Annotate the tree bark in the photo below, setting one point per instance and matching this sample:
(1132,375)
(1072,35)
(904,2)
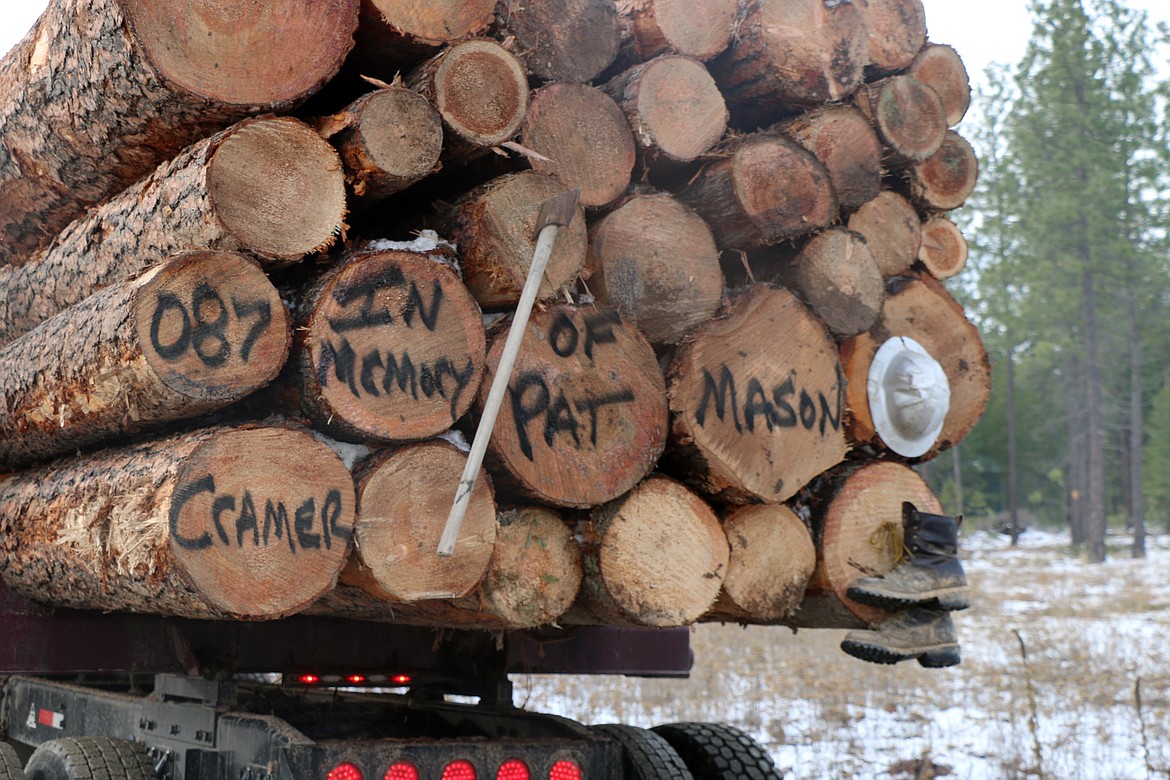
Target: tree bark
(763,190)
(244,523)
(480,90)
(908,116)
(1013,451)
(394,33)
(857,526)
(562,40)
(389,347)
(892,231)
(387,139)
(836,274)
(585,415)
(941,68)
(844,141)
(584,139)
(653,27)
(674,108)
(896,32)
(756,417)
(920,308)
(656,261)
(271,188)
(944,250)
(772,558)
(946,179)
(185,338)
(655,557)
(494,226)
(790,54)
(102,91)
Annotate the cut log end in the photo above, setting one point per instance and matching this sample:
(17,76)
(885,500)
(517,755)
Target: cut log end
(772,559)
(896,32)
(908,115)
(946,179)
(845,143)
(535,572)
(278,188)
(434,22)
(892,231)
(839,278)
(944,250)
(244,53)
(941,68)
(564,40)
(261,520)
(698,30)
(395,140)
(481,91)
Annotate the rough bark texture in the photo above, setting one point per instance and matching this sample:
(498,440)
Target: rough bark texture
(896,31)
(183,339)
(947,178)
(389,347)
(562,40)
(789,54)
(388,140)
(585,138)
(494,226)
(656,261)
(584,417)
(844,141)
(920,308)
(836,274)
(393,33)
(237,523)
(653,27)
(655,557)
(763,190)
(944,250)
(674,108)
(891,229)
(480,90)
(908,116)
(857,522)
(272,188)
(756,416)
(772,559)
(102,91)
(941,68)
(404,497)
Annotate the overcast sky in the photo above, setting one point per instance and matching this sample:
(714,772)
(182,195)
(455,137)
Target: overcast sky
(983,32)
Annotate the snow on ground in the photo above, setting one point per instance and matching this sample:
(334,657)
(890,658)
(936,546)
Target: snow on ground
(1065,674)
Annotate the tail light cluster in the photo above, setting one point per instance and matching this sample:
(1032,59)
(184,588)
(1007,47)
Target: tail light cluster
(512,769)
(391,680)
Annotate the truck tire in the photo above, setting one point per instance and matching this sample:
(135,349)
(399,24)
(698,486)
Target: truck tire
(713,751)
(90,758)
(645,755)
(9,763)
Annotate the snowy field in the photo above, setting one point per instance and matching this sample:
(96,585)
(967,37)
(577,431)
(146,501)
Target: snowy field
(1065,674)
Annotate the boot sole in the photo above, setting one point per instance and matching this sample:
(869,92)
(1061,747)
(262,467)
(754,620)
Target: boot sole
(949,599)
(933,657)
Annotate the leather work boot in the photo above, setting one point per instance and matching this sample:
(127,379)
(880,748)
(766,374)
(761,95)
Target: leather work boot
(925,634)
(931,577)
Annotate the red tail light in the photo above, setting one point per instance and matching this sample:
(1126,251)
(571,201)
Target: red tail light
(310,679)
(513,769)
(356,679)
(459,770)
(344,771)
(400,679)
(401,771)
(565,770)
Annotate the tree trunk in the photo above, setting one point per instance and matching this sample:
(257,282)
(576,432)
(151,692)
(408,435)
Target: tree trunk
(764,190)
(243,523)
(673,106)
(1096,525)
(920,308)
(389,347)
(1013,474)
(163,347)
(836,274)
(562,40)
(844,141)
(584,138)
(653,27)
(480,90)
(896,31)
(756,416)
(892,231)
(494,226)
(585,415)
(790,54)
(944,250)
(939,67)
(772,558)
(1077,452)
(857,525)
(394,33)
(102,91)
(272,188)
(957,476)
(946,179)
(387,139)
(908,116)
(656,261)
(655,557)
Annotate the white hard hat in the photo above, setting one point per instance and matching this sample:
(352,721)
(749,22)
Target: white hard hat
(909,396)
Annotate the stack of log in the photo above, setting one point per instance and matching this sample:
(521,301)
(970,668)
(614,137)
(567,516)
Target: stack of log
(257,278)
